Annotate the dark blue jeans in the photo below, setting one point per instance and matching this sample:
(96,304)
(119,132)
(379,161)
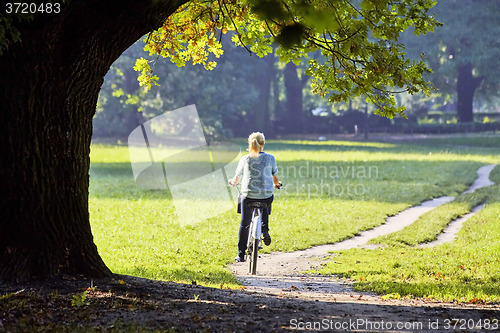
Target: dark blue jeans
(246,218)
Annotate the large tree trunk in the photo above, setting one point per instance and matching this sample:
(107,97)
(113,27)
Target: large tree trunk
(466,88)
(49,86)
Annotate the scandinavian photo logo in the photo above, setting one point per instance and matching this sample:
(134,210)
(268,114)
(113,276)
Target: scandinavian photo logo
(170,152)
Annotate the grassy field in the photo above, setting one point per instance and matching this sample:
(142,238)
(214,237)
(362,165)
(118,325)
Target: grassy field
(333,190)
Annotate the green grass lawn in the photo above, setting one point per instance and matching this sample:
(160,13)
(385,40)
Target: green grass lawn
(466,270)
(333,190)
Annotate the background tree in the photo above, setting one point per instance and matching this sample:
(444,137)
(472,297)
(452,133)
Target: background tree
(233,93)
(53,66)
(234,97)
(294,85)
(121,100)
(463,53)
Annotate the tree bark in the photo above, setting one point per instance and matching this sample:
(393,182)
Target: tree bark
(49,86)
(466,88)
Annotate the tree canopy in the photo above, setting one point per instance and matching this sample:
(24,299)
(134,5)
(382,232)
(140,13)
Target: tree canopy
(351,45)
(53,66)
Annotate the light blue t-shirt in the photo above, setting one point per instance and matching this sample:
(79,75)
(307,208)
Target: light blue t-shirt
(256,174)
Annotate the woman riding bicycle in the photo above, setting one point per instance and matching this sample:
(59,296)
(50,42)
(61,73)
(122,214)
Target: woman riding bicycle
(258,173)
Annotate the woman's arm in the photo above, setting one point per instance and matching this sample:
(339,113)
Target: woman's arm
(276,182)
(234,181)
(239,172)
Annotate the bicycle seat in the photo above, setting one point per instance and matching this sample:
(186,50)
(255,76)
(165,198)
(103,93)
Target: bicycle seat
(256,204)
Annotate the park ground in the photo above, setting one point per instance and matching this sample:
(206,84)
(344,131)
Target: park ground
(398,286)
(131,304)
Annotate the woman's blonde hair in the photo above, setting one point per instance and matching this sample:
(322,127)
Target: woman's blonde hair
(256,141)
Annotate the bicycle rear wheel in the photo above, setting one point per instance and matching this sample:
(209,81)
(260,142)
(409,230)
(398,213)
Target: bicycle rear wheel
(254,254)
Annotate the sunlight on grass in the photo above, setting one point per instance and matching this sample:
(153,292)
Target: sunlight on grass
(100,153)
(466,270)
(144,238)
(333,190)
(432,223)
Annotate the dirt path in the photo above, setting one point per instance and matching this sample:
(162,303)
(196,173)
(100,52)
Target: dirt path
(450,232)
(280,273)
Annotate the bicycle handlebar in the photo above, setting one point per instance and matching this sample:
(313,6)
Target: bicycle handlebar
(276,186)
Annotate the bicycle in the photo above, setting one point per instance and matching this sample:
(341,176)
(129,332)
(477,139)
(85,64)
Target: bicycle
(255,232)
(254,235)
